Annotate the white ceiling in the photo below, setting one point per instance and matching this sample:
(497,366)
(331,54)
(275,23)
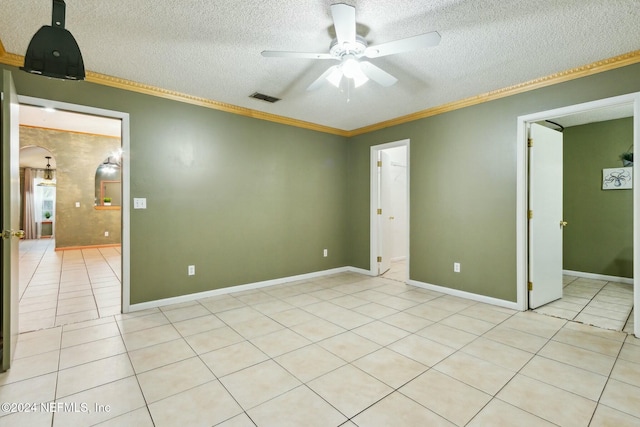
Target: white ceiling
(69,121)
(212,49)
(34,157)
(592,116)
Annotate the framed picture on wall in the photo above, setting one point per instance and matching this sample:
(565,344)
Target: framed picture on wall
(617,178)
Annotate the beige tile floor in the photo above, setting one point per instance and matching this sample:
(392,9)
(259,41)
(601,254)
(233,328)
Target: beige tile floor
(58,288)
(398,271)
(343,350)
(599,303)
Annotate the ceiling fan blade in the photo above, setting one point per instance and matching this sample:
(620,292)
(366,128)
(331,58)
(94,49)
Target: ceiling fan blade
(309,55)
(344,21)
(403,45)
(376,74)
(322,79)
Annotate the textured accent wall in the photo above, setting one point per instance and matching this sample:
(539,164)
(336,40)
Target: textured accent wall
(77,157)
(599,237)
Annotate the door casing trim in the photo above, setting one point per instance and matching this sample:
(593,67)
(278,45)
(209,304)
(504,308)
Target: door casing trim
(373,219)
(522,300)
(126,178)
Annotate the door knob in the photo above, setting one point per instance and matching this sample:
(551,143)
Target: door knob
(563,224)
(7,234)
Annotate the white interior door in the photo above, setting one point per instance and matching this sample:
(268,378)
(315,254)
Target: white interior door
(10,218)
(546,221)
(385,215)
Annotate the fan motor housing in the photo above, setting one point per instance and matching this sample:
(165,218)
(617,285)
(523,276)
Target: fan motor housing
(356,49)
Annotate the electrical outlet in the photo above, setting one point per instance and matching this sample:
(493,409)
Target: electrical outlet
(77,204)
(106,234)
(456,267)
(191,270)
(325,253)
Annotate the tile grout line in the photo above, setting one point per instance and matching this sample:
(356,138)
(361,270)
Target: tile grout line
(352,329)
(135,374)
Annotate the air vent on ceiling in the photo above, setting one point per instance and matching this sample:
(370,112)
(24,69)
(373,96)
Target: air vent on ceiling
(263,97)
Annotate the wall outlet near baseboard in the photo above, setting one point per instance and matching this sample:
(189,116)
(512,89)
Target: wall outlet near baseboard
(456,267)
(325,253)
(191,270)
(106,234)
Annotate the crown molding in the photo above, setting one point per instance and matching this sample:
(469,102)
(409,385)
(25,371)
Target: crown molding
(68,131)
(563,76)
(116,82)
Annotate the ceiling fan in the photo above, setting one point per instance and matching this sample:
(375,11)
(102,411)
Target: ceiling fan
(348,48)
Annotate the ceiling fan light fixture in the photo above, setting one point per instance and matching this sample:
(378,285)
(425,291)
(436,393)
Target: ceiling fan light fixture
(53,52)
(335,77)
(359,77)
(360,80)
(349,48)
(350,67)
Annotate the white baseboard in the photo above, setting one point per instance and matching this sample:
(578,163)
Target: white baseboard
(467,295)
(626,280)
(360,271)
(257,285)
(239,288)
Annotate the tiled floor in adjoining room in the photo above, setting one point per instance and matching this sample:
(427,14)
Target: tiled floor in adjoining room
(600,303)
(399,271)
(62,287)
(342,350)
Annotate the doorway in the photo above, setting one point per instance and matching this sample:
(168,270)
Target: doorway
(629,102)
(103,259)
(390,210)
(38,190)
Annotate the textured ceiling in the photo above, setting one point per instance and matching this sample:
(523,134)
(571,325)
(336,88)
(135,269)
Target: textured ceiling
(211,49)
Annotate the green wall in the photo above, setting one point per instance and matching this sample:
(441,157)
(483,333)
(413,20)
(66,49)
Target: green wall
(599,238)
(244,200)
(248,200)
(463,185)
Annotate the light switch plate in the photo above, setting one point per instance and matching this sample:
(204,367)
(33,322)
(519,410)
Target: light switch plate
(139,203)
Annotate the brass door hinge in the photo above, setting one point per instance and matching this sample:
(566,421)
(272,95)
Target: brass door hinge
(379,259)
(530,214)
(379,163)
(530,285)
(379,211)
(530,142)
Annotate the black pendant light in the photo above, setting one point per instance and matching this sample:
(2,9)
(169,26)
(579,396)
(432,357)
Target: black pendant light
(48,176)
(53,52)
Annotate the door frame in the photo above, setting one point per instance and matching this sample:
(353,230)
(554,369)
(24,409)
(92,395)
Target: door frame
(126,179)
(373,222)
(522,193)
